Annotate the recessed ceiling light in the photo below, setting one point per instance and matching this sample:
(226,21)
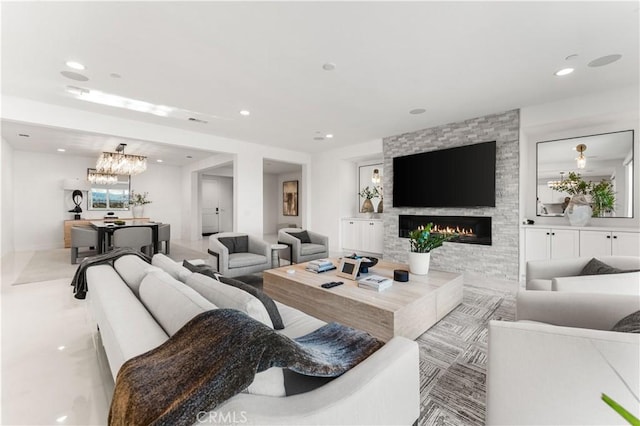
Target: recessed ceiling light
(329,66)
(604,60)
(245,112)
(61,419)
(564,71)
(158,161)
(61,348)
(74,76)
(328,136)
(75,65)
(417,111)
(24,135)
(61,150)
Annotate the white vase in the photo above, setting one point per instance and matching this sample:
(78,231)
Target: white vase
(579,215)
(419,263)
(138,211)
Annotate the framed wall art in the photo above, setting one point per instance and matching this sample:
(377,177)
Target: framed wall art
(290,198)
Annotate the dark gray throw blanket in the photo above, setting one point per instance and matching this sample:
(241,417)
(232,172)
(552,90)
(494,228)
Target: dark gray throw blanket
(79,281)
(215,356)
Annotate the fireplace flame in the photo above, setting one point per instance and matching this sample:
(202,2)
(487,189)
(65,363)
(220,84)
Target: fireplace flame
(452,230)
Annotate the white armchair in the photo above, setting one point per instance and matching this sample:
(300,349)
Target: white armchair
(316,246)
(239,254)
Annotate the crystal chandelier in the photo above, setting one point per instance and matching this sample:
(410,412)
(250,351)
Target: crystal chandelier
(101,178)
(119,163)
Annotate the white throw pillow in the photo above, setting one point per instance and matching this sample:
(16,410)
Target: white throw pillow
(132,270)
(270,382)
(226,296)
(171,303)
(170,266)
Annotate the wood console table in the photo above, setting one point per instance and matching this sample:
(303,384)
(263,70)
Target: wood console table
(85,222)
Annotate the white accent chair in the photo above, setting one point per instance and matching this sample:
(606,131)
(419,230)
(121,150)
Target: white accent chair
(552,365)
(83,237)
(239,254)
(300,251)
(139,238)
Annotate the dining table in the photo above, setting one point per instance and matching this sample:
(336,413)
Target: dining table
(106,230)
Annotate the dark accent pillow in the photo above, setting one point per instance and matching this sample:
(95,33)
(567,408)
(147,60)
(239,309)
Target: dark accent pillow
(596,267)
(239,244)
(303,236)
(268,303)
(628,324)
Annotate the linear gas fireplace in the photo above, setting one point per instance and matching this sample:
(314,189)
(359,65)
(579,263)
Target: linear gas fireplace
(471,229)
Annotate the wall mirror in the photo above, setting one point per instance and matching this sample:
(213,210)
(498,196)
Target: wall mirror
(370,184)
(110,194)
(595,158)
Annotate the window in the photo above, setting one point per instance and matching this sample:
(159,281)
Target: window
(110,197)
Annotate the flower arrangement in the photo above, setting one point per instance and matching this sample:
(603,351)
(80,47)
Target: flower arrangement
(423,240)
(603,198)
(368,193)
(138,199)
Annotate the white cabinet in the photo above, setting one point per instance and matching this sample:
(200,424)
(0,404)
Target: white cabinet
(543,243)
(363,235)
(607,243)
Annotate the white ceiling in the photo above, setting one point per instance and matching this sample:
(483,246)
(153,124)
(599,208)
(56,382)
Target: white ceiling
(456,60)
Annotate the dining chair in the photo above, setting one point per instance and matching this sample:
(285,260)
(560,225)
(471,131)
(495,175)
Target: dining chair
(139,238)
(164,234)
(85,237)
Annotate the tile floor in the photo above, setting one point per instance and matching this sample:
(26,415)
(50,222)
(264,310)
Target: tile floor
(51,372)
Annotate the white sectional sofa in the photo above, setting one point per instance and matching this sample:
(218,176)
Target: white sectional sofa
(137,306)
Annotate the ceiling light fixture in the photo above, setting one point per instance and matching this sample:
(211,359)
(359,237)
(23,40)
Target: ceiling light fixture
(328,136)
(563,72)
(375,178)
(119,101)
(75,65)
(159,161)
(101,178)
(119,163)
(61,150)
(581,160)
(245,112)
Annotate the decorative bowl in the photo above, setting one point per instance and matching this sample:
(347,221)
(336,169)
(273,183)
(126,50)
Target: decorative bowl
(366,262)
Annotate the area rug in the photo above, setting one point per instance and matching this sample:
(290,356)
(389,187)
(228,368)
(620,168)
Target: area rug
(453,356)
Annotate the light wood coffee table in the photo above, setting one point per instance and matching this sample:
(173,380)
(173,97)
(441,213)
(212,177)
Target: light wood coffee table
(406,309)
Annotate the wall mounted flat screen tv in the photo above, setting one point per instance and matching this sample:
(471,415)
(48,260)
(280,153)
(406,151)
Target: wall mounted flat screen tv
(463,176)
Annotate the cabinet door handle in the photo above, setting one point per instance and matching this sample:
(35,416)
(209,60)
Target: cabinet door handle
(548,233)
(615,237)
(608,236)
(553,233)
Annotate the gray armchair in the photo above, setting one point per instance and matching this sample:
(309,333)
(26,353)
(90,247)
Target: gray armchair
(239,254)
(82,236)
(164,234)
(303,245)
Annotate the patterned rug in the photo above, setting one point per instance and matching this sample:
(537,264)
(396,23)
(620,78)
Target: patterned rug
(453,356)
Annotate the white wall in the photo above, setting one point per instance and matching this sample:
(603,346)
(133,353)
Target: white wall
(585,115)
(270,203)
(6,199)
(334,183)
(41,205)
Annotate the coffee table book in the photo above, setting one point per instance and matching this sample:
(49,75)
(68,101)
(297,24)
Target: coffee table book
(375,282)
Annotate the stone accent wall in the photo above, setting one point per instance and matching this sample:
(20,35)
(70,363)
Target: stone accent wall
(501,258)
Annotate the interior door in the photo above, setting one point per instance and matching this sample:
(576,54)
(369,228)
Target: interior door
(210,207)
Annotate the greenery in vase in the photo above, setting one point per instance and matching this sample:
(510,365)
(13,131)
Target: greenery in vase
(603,197)
(423,240)
(574,185)
(369,193)
(138,199)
